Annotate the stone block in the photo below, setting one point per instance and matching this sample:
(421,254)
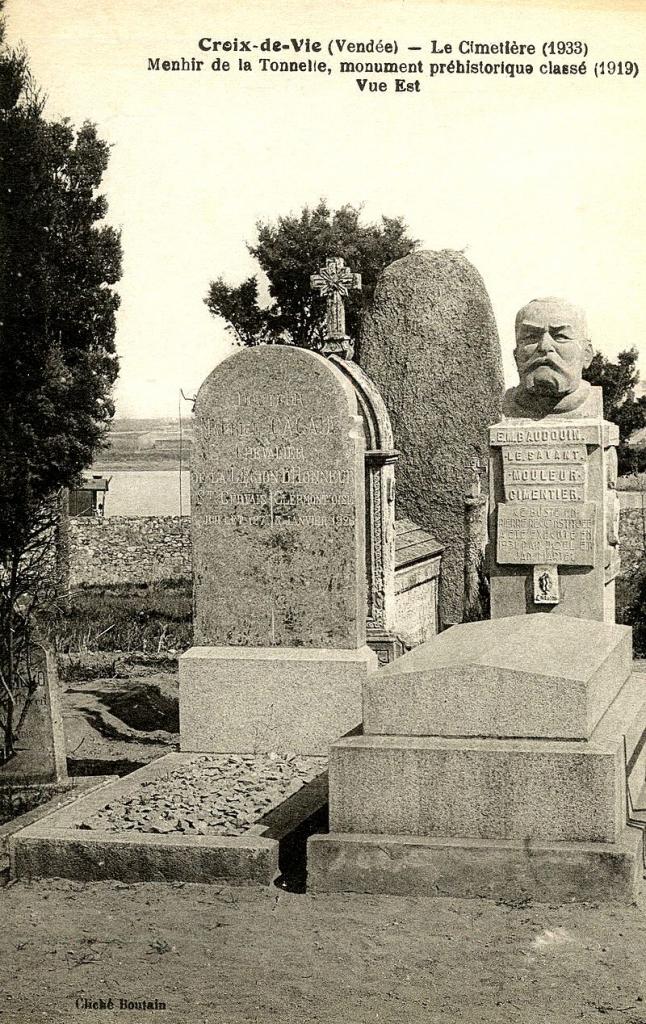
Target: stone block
(55,845)
(521,789)
(40,746)
(491,869)
(244,700)
(144,858)
(417,580)
(470,788)
(534,676)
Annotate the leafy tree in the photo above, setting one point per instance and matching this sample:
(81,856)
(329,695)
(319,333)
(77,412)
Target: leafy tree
(288,252)
(58,262)
(620,406)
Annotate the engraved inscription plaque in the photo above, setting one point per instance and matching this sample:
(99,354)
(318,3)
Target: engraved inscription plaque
(545,517)
(556,534)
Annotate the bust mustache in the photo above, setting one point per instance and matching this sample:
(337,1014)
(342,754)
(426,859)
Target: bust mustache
(552,347)
(546,375)
(552,351)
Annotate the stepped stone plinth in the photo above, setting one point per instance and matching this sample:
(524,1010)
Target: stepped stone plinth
(495,760)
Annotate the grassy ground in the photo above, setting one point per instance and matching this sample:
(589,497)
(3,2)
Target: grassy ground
(155,618)
(632,482)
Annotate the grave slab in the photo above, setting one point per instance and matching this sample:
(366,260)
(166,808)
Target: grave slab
(546,864)
(491,788)
(59,846)
(534,676)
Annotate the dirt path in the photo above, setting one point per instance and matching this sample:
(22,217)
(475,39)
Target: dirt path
(222,955)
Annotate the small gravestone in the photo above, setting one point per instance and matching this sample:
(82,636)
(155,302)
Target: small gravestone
(430,344)
(39,745)
(553,471)
(278,526)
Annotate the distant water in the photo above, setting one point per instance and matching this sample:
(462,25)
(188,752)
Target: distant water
(154,493)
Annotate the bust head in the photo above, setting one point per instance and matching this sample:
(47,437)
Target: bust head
(552,348)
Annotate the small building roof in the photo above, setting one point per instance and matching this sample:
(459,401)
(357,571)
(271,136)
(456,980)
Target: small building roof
(96,482)
(413,544)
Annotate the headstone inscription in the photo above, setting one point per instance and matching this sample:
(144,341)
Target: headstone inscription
(553,471)
(430,344)
(279,557)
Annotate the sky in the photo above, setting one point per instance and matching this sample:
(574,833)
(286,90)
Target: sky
(537,179)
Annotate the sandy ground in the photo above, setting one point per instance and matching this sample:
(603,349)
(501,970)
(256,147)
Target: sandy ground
(223,955)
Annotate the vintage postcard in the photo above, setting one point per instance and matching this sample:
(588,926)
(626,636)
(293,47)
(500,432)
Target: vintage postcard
(323,693)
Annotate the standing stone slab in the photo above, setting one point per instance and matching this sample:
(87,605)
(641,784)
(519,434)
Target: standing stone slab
(278,524)
(431,346)
(277,504)
(40,746)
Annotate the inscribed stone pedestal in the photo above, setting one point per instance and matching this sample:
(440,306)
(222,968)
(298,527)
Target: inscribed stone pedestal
(554,511)
(430,344)
(553,543)
(277,504)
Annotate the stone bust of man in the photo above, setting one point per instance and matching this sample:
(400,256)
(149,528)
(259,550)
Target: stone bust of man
(552,350)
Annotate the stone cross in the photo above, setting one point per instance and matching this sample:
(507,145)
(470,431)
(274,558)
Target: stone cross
(334,281)
(473,478)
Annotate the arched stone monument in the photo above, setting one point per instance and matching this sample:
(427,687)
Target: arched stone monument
(278,526)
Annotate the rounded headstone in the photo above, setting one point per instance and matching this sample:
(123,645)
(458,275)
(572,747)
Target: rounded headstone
(277,504)
(430,344)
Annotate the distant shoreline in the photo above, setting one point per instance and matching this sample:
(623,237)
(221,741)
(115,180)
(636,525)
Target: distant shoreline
(136,466)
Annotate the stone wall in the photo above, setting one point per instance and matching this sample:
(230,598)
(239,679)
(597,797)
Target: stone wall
(133,549)
(141,549)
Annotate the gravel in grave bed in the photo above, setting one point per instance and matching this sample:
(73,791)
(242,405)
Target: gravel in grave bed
(212,794)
